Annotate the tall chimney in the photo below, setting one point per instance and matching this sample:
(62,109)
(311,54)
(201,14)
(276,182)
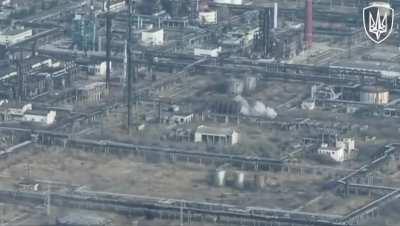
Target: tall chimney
(309,24)
(275,15)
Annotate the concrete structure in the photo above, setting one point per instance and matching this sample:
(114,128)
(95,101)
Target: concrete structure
(231,2)
(25,113)
(342,151)
(182,118)
(374,95)
(219,177)
(212,52)
(92,93)
(95,68)
(208,17)
(43,117)
(308,104)
(242,37)
(12,36)
(153,37)
(250,83)
(98,69)
(84,32)
(115,6)
(259,180)
(214,135)
(239,179)
(13,112)
(235,86)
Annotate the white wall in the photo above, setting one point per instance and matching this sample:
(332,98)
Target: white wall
(45,119)
(154,37)
(209,17)
(116,7)
(51,117)
(11,39)
(336,154)
(233,2)
(207,52)
(235,138)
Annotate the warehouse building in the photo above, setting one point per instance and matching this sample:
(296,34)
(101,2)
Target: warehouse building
(216,135)
(12,36)
(342,151)
(153,37)
(208,17)
(42,117)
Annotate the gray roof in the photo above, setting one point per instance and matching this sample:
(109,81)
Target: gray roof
(218,131)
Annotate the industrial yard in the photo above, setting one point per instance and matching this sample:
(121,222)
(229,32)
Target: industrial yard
(199,112)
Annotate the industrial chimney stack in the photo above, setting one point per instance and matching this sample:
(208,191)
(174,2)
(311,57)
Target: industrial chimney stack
(309,24)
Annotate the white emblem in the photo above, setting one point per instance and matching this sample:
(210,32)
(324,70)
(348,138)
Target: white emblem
(378,21)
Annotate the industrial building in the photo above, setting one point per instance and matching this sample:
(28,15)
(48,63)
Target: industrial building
(153,37)
(343,150)
(11,36)
(213,135)
(199,112)
(84,32)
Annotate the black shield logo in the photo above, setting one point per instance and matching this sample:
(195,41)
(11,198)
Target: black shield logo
(378,20)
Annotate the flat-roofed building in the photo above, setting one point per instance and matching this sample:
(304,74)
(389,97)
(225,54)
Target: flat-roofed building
(216,135)
(208,17)
(153,37)
(12,36)
(44,117)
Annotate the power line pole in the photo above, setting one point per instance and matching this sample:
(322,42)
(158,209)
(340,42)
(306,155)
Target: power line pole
(130,67)
(20,75)
(48,201)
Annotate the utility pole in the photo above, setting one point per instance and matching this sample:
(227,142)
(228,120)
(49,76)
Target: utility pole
(181,214)
(48,201)
(108,46)
(20,76)
(130,68)
(94,20)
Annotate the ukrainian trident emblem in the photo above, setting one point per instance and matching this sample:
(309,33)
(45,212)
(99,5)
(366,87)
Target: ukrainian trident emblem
(378,20)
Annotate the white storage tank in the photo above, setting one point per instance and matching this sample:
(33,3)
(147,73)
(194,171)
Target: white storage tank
(239,180)
(374,95)
(220,178)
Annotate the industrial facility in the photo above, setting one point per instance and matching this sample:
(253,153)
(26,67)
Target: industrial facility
(199,112)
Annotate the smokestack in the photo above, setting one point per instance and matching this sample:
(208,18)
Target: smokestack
(124,80)
(309,24)
(275,15)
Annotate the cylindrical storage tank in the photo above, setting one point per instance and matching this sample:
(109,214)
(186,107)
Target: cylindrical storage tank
(374,95)
(219,179)
(235,86)
(239,179)
(259,181)
(250,84)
